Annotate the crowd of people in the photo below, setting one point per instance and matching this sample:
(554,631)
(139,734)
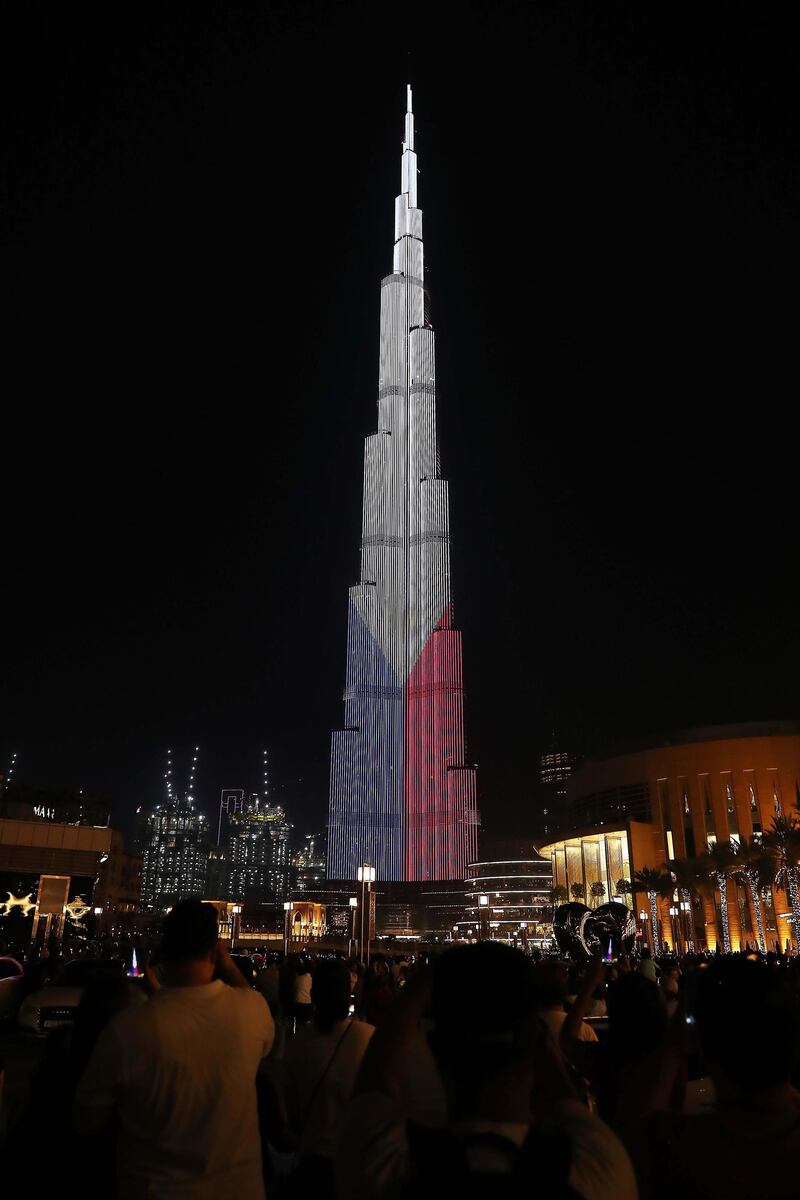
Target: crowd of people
(486,1071)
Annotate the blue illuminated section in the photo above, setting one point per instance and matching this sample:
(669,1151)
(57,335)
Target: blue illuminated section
(366,803)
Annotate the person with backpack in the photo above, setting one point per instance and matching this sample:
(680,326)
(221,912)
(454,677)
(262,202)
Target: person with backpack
(514,1123)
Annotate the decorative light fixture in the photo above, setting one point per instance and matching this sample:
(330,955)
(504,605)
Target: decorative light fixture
(77,909)
(24,903)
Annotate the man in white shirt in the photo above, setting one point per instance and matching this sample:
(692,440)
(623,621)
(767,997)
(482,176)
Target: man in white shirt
(178,1074)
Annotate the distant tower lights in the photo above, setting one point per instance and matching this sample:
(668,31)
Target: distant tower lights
(12,762)
(192,769)
(168,777)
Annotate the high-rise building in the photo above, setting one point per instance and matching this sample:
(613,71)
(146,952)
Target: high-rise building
(258,852)
(402,797)
(555,768)
(174,854)
(231,801)
(172,839)
(308,863)
(119,887)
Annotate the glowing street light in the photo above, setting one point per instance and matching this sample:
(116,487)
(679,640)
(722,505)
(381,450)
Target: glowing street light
(287,909)
(366,877)
(483,916)
(353,902)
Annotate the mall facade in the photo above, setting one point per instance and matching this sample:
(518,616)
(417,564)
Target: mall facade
(672,799)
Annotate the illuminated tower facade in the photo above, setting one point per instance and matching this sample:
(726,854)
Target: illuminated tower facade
(402,797)
(172,839)
(258,852)
(174,856)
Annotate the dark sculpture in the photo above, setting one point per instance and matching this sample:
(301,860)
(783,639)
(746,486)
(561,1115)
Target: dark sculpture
(602,932)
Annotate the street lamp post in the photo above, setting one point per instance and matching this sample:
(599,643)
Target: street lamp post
(236,916)
(686,909)
(644,917)
(483,917)
(353,907)
(287,913)
(366,877)
(674,912)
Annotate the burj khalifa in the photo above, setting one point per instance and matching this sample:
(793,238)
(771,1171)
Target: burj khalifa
(402,798)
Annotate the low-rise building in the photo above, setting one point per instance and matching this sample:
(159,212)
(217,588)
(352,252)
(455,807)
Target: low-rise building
(673,799)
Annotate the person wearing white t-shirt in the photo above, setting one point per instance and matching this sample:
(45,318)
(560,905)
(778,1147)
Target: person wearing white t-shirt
(301,991)
(551,993)
(177,1076)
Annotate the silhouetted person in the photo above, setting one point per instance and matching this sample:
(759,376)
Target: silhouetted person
(319,1072)
(748,1145)
(498,1065)
(178,1074)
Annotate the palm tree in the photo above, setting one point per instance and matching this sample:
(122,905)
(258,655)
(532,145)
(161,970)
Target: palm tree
(653,883)
(624,888)
(754,867)
(720,859)
(597,891)
(783,844)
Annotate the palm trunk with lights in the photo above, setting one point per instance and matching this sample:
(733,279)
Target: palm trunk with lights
(794,900)
(753,883)
(722,884)
(689,913)
(651,896)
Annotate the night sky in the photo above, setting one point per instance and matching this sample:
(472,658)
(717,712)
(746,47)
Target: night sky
(198,213)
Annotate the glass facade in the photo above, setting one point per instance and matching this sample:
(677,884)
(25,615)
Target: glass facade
(598,858)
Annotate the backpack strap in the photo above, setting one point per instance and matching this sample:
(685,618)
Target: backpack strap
(322,1079)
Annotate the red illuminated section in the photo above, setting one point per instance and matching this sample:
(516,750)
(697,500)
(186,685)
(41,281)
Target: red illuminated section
(441,819)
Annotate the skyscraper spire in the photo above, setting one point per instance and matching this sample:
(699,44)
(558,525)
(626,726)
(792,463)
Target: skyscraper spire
(402,799)
(408,185)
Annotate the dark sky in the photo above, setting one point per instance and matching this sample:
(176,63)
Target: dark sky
(198,215)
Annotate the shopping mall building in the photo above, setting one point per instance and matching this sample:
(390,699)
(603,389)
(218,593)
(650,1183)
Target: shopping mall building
(671,800)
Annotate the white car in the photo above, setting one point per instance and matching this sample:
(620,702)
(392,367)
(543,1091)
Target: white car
(57,1002)
(12,978)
